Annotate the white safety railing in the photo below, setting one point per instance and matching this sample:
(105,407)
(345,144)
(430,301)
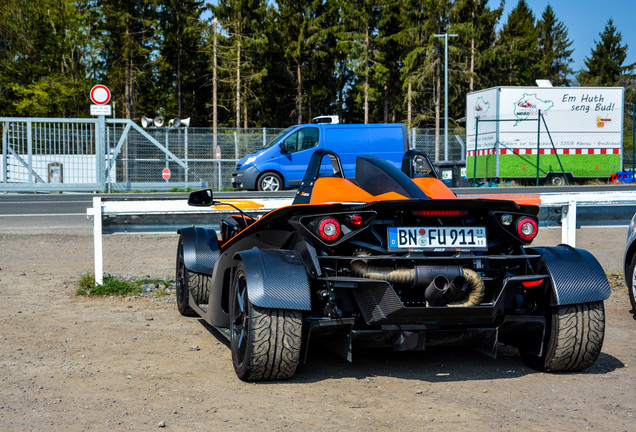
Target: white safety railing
(147,215)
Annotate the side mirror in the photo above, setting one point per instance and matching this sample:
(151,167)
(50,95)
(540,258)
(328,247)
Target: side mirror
(201,198)
(283,147)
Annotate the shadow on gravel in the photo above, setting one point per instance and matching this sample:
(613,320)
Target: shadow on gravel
(436,364)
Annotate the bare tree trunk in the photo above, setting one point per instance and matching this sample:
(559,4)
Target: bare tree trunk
(408,106)
(386,103)
(438,100)
(299,94)
(238,79)
(128,77)
(366,76)
(178,67)
(214,93)
(245,115)
(471,83)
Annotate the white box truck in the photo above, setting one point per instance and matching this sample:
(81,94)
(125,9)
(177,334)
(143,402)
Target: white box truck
(579,133)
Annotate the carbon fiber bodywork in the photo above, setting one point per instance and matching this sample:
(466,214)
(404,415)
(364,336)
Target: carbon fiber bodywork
(333,263)
(577,277)
(200,249)
(276,279)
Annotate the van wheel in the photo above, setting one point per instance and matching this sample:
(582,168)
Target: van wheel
(269,182)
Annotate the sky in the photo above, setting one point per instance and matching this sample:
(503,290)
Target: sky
(585,20)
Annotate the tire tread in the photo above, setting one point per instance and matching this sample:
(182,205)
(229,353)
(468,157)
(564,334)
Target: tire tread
(578,337)
(276,340)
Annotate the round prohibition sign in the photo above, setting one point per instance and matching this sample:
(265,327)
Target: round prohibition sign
(100,94)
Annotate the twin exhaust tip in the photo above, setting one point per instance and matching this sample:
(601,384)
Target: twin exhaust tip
(441,291)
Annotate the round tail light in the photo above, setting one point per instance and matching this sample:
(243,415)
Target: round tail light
(527,228)
(329,229)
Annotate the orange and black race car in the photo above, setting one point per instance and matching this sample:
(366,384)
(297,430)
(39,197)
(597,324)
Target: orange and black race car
(392,259)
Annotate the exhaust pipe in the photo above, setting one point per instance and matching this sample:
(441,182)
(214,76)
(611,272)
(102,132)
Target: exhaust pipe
(466,287)
(436,291)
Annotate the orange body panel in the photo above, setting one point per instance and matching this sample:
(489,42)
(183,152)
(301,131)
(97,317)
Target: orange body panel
(335,189)
(434,188)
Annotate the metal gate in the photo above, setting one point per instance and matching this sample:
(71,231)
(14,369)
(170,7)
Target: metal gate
(40,155)
(45,155)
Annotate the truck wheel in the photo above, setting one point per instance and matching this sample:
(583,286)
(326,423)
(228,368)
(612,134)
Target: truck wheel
(557,180)
(270,182)
(185,281)
(630,277)
(265,342)
(573,340)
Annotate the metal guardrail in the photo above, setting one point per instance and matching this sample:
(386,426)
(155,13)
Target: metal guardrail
(117,215)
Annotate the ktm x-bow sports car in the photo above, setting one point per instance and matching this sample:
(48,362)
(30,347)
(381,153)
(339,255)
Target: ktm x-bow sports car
(393,259)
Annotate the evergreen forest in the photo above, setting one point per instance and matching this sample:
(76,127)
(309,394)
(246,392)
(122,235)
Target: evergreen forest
(259,63)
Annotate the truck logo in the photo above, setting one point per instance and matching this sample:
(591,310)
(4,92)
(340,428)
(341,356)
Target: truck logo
(600,122)
(529,105)
(480,108)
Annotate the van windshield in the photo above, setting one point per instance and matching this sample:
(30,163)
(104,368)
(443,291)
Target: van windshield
(277,137)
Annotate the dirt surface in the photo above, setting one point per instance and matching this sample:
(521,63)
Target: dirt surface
(73,363)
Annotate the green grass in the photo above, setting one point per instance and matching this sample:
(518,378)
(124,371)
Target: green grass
(112,286)
(115,286)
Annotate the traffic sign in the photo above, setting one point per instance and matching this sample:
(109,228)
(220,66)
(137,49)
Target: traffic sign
(166,173)
(100,94)
(101,110)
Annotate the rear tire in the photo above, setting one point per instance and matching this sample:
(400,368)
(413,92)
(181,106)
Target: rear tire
(573,340)
(265,342)
(186,281)
(630,278)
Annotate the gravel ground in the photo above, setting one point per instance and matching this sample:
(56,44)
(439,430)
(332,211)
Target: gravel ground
(77,364)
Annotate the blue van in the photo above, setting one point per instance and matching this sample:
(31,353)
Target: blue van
(282,162)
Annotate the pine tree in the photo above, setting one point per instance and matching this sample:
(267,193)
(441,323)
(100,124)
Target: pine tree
(126,29)
(605,65)
(517,48)
(182,64)
(243,21)
(475,23)
(554,49)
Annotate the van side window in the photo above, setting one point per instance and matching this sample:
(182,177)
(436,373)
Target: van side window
(304,139)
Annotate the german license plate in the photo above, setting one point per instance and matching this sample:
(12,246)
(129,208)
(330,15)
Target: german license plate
(437,238)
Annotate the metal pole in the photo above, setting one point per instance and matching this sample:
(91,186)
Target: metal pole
(538,143)
(445,36)
(97,240)
(185,151)
(475,155)
(634,139)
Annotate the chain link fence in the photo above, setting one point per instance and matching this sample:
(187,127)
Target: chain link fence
(140,164)
(37,152)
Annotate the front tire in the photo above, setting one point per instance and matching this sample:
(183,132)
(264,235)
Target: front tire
(186,282)
(269,182)
(573,340)
(630,278)
(265,342)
